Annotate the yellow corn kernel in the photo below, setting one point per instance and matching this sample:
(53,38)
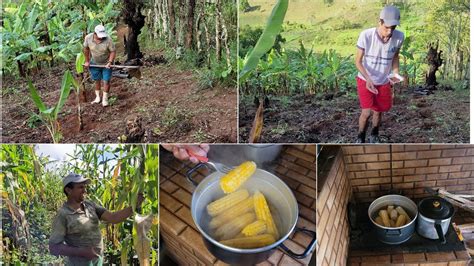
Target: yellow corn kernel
(233,228)
(263,213)
(224,203)
(250,241)
(232,213)
(237,176)
(255,228)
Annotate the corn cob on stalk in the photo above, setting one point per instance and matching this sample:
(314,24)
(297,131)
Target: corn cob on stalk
(250,241)
(233,228)
(263,213)
(226,202)
(256,228)
(232,213)
(237,176)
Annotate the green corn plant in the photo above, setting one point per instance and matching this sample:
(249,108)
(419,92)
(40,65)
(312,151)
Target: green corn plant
(49,115)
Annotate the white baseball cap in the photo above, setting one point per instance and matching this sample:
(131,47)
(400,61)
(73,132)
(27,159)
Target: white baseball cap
(100,31)
(75,178)
(390,15)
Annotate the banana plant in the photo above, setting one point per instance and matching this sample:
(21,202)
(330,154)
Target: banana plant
(49,115)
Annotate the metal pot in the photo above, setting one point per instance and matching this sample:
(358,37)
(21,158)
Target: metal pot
(435,217)
(282,204)
(395,235)
(234,154)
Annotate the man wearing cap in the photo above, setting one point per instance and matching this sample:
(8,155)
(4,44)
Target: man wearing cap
(377,56)
(76,233)
(100,46)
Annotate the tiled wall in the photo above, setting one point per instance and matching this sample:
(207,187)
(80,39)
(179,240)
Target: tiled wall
(332,221)
(414,167)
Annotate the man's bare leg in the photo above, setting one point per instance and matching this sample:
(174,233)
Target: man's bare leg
(105,99)
(363,119)
(97,92)
(376,119)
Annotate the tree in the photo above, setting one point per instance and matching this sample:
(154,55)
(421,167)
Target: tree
(135,20)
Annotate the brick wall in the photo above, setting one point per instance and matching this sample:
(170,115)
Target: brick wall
(414,167)
(332,221)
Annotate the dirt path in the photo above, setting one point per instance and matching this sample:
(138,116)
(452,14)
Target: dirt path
(166,102)
(442,117)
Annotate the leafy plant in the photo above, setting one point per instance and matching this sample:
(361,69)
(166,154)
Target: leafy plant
(49,115)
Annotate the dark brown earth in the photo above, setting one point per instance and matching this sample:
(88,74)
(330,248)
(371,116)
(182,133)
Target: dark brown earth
(168,102)
(442,117)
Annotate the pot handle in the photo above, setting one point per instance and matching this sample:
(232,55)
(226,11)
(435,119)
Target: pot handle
(396,232)
(308,249)
(191,171)
(439,230)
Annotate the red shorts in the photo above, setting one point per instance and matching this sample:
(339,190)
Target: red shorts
(381,102)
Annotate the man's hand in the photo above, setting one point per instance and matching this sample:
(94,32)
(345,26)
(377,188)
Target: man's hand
(87,64)
(370,86)
(89,253)
(108,65)
(181,152)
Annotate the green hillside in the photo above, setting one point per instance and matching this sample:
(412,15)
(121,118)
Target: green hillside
(330,26)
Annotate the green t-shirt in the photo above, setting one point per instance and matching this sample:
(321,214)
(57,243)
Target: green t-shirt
(100,51)
(79,228)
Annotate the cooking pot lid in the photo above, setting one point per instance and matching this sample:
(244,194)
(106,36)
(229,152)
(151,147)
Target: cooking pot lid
(436,208)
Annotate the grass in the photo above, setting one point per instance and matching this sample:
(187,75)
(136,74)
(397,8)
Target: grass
(315,23)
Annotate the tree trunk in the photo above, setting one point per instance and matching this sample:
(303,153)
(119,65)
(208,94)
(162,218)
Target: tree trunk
(218,33)
(434,61)
(172,28)
(135,20)
(189,26)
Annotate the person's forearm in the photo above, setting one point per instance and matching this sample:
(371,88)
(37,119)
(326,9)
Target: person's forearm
(396,64)
(87,54)
(65,250)
(362,70)
(120,216)
(112,56)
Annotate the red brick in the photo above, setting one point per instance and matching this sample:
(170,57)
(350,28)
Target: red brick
(412,178)
(462,255)
(450,168)
(168,186)
(403,185)
(183,182)
(368,188)
(405,171)
(403,156)
(359,149)
(378,165)
(416,163)
(470,151)
(414,257)
(323,197)
(398,148)
(454,152)
(356,167)
(442,161)
(446,182)
(466,181)
(166,171)
(376,148)
(310,148)
(384,157)
(185,215)
(468,167)
(362,158)
(457,188)
(302,179)
(366,174)
(380,180)
(303,155)
(275,257)
(428,154)
(322,221)
(427,170)
(463,160)
(323,246)
(194,241)
(183,196)
(377,259)
(417,147)
(424,184)
(436,176)
(359,182)
(440,256)
(169,202)
(170,222)
(305,200)
(287,260)
(459,175)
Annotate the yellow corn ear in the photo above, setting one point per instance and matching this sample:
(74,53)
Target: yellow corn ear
(232,213)
(250,241)
(263,213)
(233,228)
(226,202)
(256,228)
(237,176)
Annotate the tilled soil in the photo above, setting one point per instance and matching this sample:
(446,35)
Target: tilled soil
(166,102)
(442,117)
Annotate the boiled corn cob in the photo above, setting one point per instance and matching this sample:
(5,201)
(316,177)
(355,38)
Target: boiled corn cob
(401,220)
(232,213)
(237,176)
(256,228)
(263,213)
(250,241)
(233,228)
(400,210)
(226,202)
